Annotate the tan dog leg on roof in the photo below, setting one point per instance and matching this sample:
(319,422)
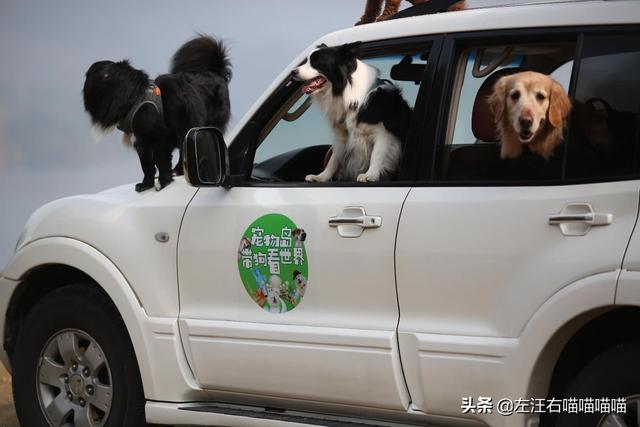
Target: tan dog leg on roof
(461,5)
(371,12)
(391,7)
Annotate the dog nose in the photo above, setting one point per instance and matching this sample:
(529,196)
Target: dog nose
(525,122)
(295,73)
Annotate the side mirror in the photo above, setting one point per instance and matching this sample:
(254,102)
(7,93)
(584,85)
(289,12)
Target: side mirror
(205,158)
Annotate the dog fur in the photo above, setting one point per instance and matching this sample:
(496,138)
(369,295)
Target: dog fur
(373,11)
(369,122)
(194,93)
(530,109)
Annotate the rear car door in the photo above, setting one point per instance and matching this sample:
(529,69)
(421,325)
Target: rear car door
(486,242)
(287,289)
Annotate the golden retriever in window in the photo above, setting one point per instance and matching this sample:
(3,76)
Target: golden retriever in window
(529,109)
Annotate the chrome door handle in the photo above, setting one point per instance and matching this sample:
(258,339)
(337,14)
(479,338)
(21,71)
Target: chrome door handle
(353,221)
(595,218)
(576,219)
(365,221)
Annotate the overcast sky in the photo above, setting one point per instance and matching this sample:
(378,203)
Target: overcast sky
(46,150)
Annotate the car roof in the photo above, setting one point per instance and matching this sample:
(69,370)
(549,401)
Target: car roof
(535,14)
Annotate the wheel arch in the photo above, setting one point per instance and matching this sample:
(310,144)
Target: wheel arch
(47,264)
(34,285)
(584,338)
(568,331)
(554,324)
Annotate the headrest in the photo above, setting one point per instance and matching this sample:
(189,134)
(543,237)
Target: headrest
(482,121)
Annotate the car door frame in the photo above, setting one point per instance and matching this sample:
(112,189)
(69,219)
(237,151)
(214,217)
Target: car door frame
(243,147)
(434,135)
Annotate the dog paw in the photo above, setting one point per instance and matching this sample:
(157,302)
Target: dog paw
(142,186)
(177,171)
(163,183)
(384,17)
(315,178)
(365,177)
(366,20)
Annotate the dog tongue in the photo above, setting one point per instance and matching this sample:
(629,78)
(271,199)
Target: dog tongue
(313,84)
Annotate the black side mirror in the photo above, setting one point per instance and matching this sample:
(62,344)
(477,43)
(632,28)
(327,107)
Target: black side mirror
(205,158)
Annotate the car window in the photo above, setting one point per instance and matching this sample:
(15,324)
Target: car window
(295,141)
(472,150)
(605,122)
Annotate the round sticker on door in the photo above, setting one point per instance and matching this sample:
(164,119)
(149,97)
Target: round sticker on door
(272,261)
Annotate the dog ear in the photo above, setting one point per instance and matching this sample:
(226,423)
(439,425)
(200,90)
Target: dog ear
(350,50)
(559,105)
(497,99)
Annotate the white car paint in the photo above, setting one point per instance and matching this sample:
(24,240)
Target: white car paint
(121,224)
(482,261)
(475,265)
(348,312)
(455,341)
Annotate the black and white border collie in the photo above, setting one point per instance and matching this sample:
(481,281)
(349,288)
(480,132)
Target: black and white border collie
(369,116)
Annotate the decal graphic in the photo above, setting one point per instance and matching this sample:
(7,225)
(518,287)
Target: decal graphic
(272,261)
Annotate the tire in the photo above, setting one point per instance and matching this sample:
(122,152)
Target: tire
(74,364)
(612,374)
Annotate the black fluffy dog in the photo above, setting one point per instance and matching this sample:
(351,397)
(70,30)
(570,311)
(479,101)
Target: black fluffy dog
(156,115)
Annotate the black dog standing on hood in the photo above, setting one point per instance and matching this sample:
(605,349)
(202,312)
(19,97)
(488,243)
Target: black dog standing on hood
(156,116)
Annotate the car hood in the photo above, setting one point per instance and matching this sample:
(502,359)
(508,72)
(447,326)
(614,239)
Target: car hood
(100,218)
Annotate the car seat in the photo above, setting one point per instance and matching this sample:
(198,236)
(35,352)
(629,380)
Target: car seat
(479,159)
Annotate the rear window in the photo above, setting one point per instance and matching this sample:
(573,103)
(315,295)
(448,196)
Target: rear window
(606,114)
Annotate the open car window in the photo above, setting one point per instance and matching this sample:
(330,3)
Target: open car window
(295,142)
(472,148)
(600,134)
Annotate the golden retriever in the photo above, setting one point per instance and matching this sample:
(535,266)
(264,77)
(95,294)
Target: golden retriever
(529,109)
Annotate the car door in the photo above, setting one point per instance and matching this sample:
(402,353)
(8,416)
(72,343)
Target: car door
(287,289)
(488,241)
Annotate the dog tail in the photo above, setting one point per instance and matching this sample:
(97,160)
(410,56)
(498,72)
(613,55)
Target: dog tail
(202,54)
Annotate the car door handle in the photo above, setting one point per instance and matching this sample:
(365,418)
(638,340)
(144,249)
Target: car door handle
(576,219)
(365,221)
(353,220)
(594,218)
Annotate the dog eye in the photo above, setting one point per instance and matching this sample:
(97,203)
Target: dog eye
(540,96)
(105,76)
(515,95)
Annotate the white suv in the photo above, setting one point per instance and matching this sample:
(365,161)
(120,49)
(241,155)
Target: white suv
(470,291)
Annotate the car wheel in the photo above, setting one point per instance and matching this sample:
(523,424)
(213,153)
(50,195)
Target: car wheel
(74,365)
(611,375)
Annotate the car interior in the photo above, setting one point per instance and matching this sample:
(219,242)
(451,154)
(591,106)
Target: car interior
(472,148)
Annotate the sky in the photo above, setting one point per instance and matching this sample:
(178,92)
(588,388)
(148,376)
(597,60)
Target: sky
(46,148)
